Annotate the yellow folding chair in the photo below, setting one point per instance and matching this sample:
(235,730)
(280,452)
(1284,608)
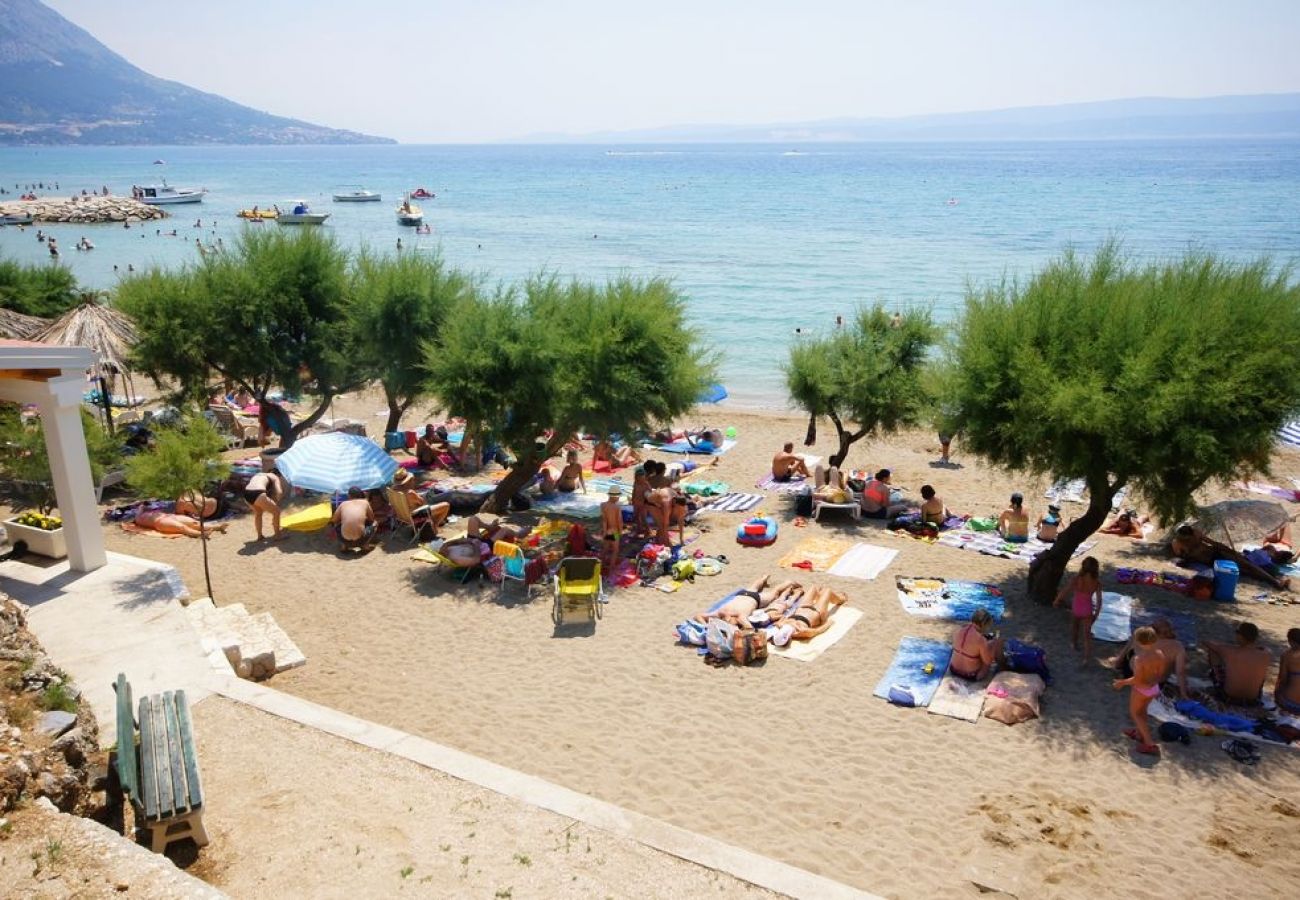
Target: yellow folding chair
(578,589)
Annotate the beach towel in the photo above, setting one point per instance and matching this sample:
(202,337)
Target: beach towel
(1270,490)
(733,502)
(768,481)
(1162,710)
(1184,623)
(815,554)
(907,675)
(581,506)
(940,598)
(313,518)
(842,619)
(692,632)
(1290,433)
(683,446)
(1012,697)
(1114,623)
(864,561)
(958,698)
(992,544)
(1064,491)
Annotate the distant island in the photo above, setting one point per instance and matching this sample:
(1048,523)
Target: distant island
(58,85)
(1252,115)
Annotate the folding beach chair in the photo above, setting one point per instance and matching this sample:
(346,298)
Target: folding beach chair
(514,564)
(414,519)
(578,589)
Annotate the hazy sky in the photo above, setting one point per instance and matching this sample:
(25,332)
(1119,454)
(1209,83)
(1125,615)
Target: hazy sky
(458,70)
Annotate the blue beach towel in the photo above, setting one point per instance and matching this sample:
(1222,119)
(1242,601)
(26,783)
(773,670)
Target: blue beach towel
(1184,623)
(939,598)
(684,446)
(906,677)
(690,629)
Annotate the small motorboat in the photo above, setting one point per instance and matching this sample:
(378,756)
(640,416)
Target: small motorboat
(16,219)
(409,214)
(357,195)
(422,194)
(165,195)
(300,214)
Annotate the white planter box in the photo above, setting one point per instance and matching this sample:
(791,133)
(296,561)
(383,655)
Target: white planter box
(46,543)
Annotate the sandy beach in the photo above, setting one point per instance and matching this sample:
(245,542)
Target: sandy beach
(790,758)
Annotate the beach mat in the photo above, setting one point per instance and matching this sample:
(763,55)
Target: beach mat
(942,598)
(820,552)
(842,620)
(1162,710)
(1185,628)
(685,447)
(733,502)
(1270,490)
(864,561)
(580,506)
(1289,433)
(1114,625)
(990,543)
(907,671)
(1064,491)
(313,518)
(958,698)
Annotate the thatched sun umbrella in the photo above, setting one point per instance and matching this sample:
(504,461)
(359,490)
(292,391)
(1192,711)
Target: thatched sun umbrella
(107,332)
(20,327)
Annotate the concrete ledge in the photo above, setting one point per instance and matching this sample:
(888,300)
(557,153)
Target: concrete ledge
(679,842)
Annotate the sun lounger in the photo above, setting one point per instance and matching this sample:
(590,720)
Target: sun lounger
(915,673)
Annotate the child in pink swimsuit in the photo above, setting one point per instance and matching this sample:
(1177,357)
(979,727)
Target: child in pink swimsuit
(1148,666)
(1085,604)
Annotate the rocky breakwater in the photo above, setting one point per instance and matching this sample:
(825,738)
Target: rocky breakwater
(49,740)
(82,210)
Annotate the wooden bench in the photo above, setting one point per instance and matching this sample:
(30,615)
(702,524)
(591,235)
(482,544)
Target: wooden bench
(161,775)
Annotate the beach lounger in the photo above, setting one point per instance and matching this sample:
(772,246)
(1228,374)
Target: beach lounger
(853,507)
(578,589)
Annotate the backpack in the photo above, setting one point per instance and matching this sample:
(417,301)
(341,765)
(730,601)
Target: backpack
(748,646)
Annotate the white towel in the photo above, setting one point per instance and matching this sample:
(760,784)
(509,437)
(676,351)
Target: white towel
(864,561)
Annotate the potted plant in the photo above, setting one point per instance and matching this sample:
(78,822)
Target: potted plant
(41,533)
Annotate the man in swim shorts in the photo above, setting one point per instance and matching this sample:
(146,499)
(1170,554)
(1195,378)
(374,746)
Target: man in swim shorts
(787,464)
(1287,690)
(611,526)
(1239,668)
(758,595)
(354,521)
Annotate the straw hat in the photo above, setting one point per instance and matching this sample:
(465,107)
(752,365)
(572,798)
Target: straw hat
(615,490)
(401,478)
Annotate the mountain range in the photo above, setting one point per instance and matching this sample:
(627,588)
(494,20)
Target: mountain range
(1249,115)
(58,85)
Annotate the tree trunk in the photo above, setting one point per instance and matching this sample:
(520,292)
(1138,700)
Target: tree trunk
(521,474)
(395,411)
(326,400)
(203,539)
(1046,570)
(846,439)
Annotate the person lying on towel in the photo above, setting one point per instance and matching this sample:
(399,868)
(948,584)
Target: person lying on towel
(810,618)
(757,596)
(170,523)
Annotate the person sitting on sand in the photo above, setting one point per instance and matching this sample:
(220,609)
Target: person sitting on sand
(1238,669)
(706,440)
(1148,663)
(488,528)
(1126,524)
(171,523)
(1013,524)
(1287,690)
(354,521)
(810,618)
(658,475)
(876,497)
(933,510)
(787,464)
(617,455)
(976,650)
(1192,544)
(264,492)
(1049,526)
(430,445)
(566,479)
(758,595)
(1172,649)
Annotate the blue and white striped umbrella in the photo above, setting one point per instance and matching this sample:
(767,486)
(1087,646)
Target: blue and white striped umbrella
(335,462)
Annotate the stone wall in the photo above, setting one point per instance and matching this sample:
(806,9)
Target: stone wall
(82,210)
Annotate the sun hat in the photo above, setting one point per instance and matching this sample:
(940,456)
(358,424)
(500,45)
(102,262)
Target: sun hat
(402,477)
(615,491)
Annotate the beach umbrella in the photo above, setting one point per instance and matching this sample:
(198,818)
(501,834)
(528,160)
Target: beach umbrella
(714,393)
(19,327)
(335,462)
(1232,521)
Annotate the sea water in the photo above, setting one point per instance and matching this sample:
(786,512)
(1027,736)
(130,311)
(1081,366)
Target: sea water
(766,242)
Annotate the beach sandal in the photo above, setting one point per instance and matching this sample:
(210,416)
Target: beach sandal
(1148,749)
(802,564)
(1131,734)
(1242,751)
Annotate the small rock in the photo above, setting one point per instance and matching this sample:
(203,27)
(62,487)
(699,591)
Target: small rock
(70,746)
(55,722)
(71,690)
(122,887)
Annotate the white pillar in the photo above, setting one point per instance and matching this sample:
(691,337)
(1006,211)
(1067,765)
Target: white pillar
(74,487)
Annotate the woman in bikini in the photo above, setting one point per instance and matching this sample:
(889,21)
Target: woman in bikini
(974,653)
(1287,690)
(171,523)
(811,617)
(566,480)
(746,601)
(265,492)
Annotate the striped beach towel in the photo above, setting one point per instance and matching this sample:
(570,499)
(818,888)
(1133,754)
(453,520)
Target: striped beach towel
(1290,433)
(733,502)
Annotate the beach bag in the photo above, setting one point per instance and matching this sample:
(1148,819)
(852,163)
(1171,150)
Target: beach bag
(720,638)
(1027,659)
(748,646)
(1012,698)
(684,570)
(901,696)
(692,632)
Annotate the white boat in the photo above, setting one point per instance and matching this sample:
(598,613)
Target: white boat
(357,195)
(299,213)
(408,213)
(164,194)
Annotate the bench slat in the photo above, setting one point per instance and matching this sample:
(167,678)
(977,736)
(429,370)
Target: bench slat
(128,772)
(175,767)
(149,788)
(162,762)
(187,750)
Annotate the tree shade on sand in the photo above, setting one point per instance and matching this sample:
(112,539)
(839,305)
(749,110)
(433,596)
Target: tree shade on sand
(1160,377)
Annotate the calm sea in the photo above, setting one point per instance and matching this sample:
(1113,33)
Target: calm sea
(763,239)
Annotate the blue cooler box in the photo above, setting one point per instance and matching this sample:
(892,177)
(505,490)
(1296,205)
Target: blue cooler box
(1225,579)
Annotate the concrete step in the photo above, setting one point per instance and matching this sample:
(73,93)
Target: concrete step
(254,646)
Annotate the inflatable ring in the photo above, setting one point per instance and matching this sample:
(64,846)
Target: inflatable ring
(707,566)
(749,533)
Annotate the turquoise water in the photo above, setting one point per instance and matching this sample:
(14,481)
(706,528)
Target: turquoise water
(762,239)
